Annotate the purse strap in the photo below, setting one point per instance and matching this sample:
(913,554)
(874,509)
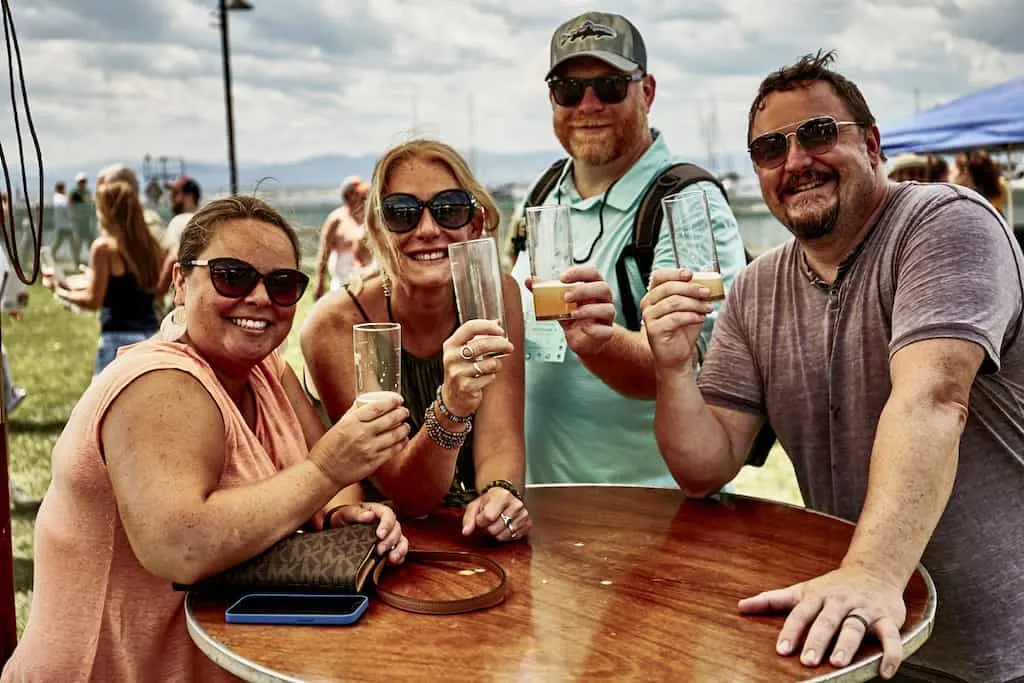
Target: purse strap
(488,598)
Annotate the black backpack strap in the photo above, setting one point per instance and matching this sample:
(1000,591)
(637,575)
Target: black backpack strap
(536,196)
(647,227)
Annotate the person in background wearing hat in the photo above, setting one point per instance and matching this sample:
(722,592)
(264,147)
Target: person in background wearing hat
(908,167)
(342,247)
(589,402)
(82,213)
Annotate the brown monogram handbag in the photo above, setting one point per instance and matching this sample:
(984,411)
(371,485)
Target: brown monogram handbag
(340,560)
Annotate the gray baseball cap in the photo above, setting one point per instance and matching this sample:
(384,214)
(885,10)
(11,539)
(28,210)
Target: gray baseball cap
(608,37)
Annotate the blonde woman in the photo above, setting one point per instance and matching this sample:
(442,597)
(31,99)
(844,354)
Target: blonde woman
(123,276)
(466,413)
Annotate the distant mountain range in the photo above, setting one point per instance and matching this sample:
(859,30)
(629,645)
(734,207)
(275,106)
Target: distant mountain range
(326,171)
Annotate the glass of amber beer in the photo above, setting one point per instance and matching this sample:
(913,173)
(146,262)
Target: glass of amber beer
(693,242)
(549,240)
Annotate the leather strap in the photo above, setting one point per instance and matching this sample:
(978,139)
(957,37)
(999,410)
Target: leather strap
(490,598)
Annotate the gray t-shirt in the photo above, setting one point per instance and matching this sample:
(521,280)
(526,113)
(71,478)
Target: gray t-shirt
(814,359)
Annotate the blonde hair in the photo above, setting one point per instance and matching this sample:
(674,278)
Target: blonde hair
(120,213)
(118,173)
(377,233)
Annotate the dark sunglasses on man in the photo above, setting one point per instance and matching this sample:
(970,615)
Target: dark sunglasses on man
(451,209)
(816,136)
(235,279)
(610,89)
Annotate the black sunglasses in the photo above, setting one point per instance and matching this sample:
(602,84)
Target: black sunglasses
(235,279)
(568,92)
(451,209)
(816,136)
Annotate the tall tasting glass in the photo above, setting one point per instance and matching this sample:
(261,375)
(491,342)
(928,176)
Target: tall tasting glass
(693,242)
(378,357)
(549,240)
(476,276)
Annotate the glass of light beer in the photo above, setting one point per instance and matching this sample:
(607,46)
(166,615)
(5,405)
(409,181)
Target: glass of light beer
(549,241)
(378,356)
(693,241)
(476,277)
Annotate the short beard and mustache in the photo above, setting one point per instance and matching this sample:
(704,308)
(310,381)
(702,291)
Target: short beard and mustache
(810,227)
(624,135)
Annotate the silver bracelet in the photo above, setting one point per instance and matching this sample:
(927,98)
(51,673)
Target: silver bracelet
(457,419)
(441,436)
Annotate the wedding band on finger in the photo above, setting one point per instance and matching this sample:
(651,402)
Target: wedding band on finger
(862,620)
(477,370)
(467,352)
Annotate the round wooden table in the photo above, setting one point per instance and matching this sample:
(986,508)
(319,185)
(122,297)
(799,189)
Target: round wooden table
(614,582)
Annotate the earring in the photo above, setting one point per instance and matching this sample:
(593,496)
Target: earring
(172,327)
(386,284)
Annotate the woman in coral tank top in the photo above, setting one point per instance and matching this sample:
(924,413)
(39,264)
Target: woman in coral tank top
(189,454)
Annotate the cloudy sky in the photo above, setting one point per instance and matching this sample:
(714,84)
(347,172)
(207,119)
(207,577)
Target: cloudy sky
(118,78)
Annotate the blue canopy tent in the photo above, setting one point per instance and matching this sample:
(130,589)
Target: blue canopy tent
(992,119)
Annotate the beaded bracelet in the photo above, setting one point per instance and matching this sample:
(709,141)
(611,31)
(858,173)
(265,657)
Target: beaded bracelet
(502,484)
(441,436)
(457,419)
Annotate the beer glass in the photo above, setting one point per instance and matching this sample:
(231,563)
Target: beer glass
(476,276)
(549,241)
(378,356)
(693,241)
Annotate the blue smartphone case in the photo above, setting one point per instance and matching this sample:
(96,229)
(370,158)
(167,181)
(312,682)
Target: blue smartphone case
(296,608)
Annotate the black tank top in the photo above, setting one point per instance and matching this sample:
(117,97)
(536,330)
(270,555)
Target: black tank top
(126,308)
(420,379)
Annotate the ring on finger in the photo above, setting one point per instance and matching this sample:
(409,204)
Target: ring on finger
(477,370)
(862,620)
(507,521)
(467,352)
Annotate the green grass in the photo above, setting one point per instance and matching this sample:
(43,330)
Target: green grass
(51,353)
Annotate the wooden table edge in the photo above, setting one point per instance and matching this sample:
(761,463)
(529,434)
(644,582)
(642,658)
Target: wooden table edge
(226,659)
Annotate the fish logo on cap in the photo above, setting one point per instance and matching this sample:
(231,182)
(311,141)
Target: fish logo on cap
(588,29)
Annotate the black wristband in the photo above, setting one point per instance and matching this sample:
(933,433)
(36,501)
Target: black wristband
(327,516)
(502,484)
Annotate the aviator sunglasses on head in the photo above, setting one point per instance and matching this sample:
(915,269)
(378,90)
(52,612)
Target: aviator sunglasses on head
(451,209)
(235,279)
(610,89)
(816,136)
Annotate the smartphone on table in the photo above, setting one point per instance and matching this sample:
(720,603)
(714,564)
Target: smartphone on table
(323,609)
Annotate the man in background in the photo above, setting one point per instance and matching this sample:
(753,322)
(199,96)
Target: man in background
(342,246)
(63,229)
(82,215)
(185,195)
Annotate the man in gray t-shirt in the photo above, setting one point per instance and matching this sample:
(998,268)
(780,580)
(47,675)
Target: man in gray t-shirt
(885,346)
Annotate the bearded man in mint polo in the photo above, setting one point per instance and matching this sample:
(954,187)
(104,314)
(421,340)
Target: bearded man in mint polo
(590,380)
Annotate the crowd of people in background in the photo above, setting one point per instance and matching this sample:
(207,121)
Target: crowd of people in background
(974,169)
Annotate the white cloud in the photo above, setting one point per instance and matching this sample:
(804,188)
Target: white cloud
(114,79)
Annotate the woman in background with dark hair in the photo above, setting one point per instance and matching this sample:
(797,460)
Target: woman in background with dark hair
(977,171)
(124,272)
(936,169)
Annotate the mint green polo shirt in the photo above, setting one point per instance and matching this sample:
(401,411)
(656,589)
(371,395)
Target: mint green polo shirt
(578,430)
